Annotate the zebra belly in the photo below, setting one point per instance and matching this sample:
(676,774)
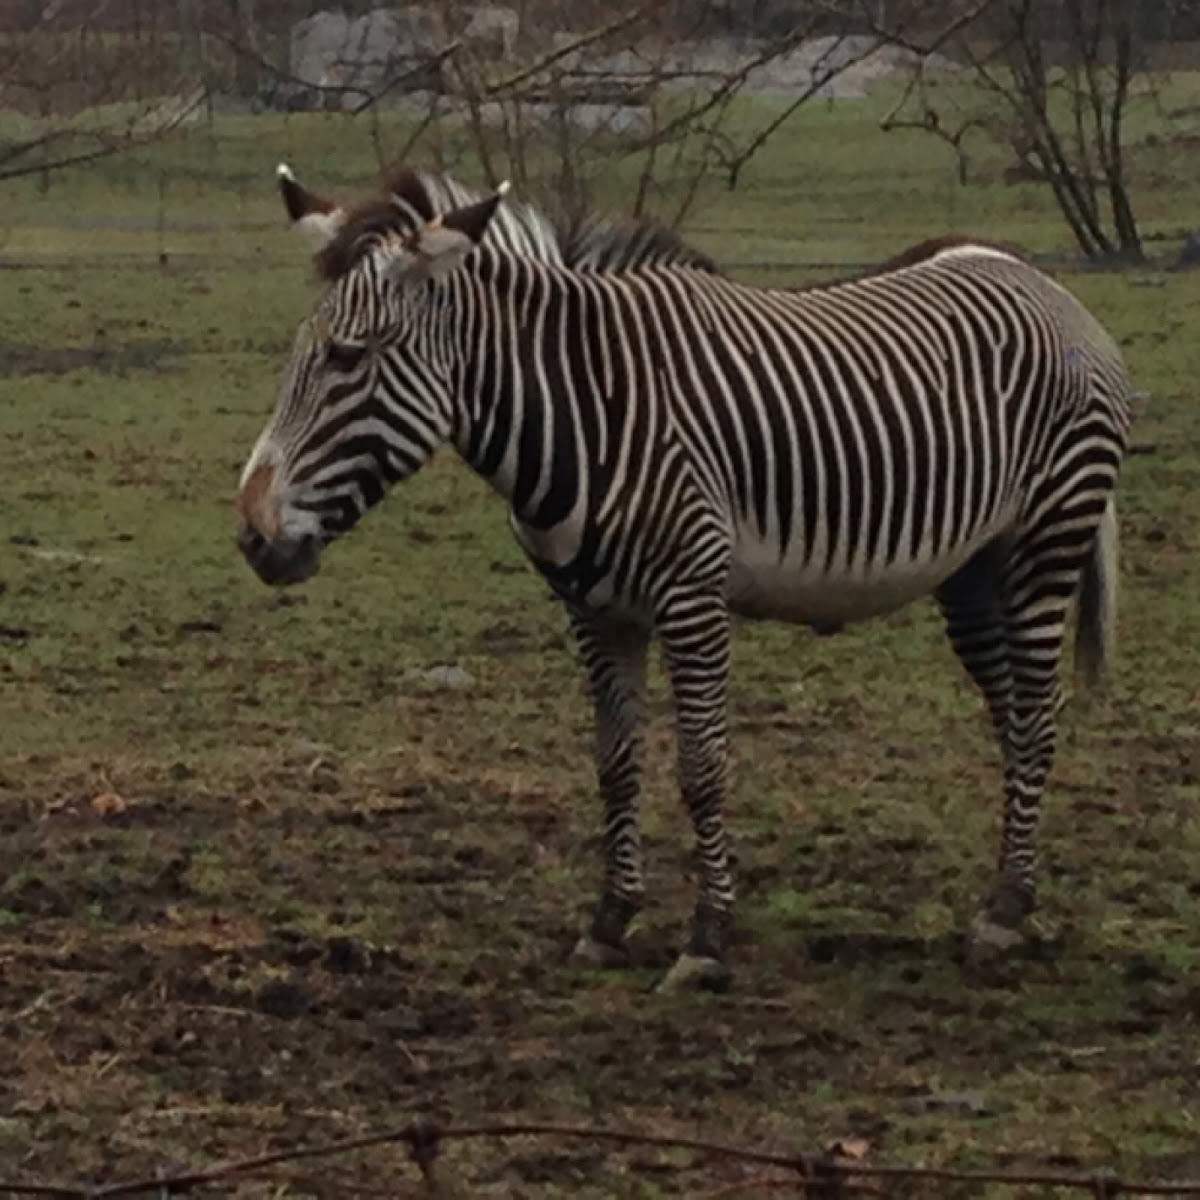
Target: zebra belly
(764,587)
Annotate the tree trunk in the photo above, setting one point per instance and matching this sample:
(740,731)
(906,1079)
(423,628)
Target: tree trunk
(248,68)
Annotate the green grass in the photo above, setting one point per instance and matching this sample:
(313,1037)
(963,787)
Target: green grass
(291,781)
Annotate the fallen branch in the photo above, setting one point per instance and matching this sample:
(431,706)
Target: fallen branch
(825,1174)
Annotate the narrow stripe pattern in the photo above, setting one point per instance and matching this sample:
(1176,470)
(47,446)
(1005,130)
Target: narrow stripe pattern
(678,450)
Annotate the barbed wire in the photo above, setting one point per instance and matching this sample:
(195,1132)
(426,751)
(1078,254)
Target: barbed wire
(825,1176)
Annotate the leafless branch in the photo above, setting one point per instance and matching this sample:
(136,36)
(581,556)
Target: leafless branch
(583,42)
(395,81)
(896,36)
(99,143)
(729,86)
(737,162)
(1065,115)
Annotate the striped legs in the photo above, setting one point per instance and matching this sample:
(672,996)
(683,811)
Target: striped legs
(614,656)
(1040,580)
(971,604)
(1005,614)
(695,636)
(1035,635)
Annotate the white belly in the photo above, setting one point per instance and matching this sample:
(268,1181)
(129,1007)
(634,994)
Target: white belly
(764,588)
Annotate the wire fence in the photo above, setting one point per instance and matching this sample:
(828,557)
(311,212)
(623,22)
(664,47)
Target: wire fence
(828,1175)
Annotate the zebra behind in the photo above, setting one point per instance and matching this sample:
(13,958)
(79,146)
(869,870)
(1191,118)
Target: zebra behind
(678,449)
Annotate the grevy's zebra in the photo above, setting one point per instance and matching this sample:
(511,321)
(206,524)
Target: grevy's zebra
(676,447)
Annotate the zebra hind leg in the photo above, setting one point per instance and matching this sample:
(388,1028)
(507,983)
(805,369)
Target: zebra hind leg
(1040,579)
(614,656)
(972,605)
(695,635)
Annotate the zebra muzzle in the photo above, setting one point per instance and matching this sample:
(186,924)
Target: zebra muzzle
(276,556)
(280,561)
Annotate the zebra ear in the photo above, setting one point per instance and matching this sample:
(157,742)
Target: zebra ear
(438,247)
(430,253)
(474,219)
(317,219)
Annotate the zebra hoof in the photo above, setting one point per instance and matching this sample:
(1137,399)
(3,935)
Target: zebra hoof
(696,973)
(990,945)
(990,935)
(589,952)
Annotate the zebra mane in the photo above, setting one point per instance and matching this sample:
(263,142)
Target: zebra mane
(409,198)
(594,244)
(517,225)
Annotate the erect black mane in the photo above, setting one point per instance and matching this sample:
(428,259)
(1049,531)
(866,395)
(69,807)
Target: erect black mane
(408,198)
(403,204)
(595,244)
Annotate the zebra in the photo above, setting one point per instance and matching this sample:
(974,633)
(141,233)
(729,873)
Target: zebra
(679,450)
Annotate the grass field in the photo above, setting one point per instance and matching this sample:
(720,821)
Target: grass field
(333,894)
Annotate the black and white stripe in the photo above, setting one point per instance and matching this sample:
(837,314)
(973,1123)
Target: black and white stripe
(678,449)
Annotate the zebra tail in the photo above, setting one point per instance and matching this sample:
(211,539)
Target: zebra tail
(1095,631)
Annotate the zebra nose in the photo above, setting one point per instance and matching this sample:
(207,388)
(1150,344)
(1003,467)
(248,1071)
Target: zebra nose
(280,560)
(250,542)
(255,502)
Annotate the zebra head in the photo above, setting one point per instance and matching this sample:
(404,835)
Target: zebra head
(364,402)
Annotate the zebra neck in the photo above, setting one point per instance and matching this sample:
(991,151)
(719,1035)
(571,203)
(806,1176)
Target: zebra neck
(520,423)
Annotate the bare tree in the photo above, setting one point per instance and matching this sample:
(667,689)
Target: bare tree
(656,87)
(1054,83)
(75,92)
(639,86)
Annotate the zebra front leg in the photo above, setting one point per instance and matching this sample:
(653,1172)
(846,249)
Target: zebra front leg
(614,656)
(695,635)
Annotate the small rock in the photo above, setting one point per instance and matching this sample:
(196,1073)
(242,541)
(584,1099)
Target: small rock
(448,677)
(970,1103)
(109,804)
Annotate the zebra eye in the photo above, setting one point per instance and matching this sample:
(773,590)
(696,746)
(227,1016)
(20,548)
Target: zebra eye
(344,355)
